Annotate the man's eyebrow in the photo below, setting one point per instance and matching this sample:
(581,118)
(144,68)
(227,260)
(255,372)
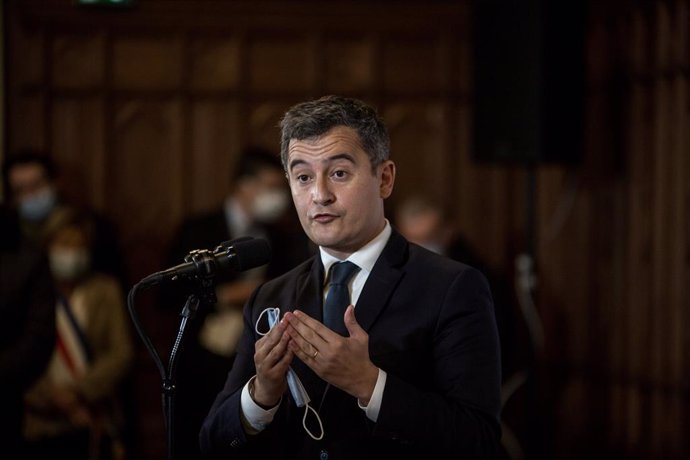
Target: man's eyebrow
(339,156)
(297,162)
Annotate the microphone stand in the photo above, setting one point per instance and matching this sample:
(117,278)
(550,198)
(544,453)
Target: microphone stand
(205,294)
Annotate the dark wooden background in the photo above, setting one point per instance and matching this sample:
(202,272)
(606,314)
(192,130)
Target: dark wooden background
(146,108)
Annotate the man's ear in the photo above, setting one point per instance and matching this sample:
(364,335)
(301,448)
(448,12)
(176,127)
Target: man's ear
(387,175)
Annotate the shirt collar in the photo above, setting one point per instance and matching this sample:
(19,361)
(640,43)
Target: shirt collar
(365,257)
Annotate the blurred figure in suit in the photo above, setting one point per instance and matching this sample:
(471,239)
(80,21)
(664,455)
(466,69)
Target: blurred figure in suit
(27,329)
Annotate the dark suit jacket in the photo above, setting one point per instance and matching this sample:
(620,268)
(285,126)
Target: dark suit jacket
(27,329)
(431,327)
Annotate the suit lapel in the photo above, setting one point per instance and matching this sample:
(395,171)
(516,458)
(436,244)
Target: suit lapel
(310,291)
(382,281)
(308,300)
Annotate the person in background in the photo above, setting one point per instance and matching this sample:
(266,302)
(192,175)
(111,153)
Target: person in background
(422,220)
(27,328)
(258,205)
(396,347)
(31,181)
(74,410)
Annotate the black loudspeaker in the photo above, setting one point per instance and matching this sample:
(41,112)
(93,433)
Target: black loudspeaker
(529,80)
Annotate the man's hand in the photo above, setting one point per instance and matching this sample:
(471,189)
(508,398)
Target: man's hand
(272,359)
(341,361)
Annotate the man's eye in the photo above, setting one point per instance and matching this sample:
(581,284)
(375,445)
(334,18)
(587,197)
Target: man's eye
(302,178)
(340,174)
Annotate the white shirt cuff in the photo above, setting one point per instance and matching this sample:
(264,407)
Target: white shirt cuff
(256,418)
(372,409)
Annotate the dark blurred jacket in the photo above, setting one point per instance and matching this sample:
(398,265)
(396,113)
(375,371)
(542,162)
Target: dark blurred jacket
(27,328)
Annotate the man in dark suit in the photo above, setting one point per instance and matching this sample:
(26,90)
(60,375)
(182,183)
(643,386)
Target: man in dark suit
(416,372)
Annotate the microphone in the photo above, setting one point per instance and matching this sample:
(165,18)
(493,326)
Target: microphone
(239,254)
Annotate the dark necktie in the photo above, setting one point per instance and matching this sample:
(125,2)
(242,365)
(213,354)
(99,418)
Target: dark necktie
(338,297)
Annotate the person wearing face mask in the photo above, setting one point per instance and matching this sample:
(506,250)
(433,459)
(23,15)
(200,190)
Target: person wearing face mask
(257,205)
(74,409)
(31,182)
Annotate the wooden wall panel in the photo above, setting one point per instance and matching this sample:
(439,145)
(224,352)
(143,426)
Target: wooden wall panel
(216,142)
(78,61)
(26,59)
(418,158)
(143,178)
(280,63)
(215,63)
(413,63)
(78,140)
(349,63)
(145,62)
(28,120)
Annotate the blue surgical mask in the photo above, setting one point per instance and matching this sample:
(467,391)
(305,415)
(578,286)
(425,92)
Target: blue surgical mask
(39,205)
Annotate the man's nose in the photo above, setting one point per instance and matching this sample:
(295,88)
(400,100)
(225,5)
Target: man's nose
(321,192)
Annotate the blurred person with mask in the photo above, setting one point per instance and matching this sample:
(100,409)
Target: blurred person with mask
(31,183)
(27,329)
(258,205)
(74,410)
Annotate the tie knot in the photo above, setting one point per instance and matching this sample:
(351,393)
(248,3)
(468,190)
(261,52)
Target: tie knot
(341,272)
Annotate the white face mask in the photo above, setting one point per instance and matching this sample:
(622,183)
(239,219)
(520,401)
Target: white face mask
(69,264)
(268,206)
(38,206)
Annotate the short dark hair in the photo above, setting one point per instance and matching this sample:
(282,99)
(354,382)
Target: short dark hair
(27,157)
(67,217)
(315,118)
(255,159)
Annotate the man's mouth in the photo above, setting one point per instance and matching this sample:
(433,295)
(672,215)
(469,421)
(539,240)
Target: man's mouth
(324,218)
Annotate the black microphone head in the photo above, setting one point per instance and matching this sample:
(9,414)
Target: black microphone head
(225,245)
(250,253)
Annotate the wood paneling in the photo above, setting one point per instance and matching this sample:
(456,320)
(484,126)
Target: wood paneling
(215,63)
(215,141)
(78,61)
(147,63)
(144,177)
(413,63)
(280,63)
(349,63)
(78,130)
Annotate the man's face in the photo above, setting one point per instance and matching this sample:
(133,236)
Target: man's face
(27,180)
(338,198)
